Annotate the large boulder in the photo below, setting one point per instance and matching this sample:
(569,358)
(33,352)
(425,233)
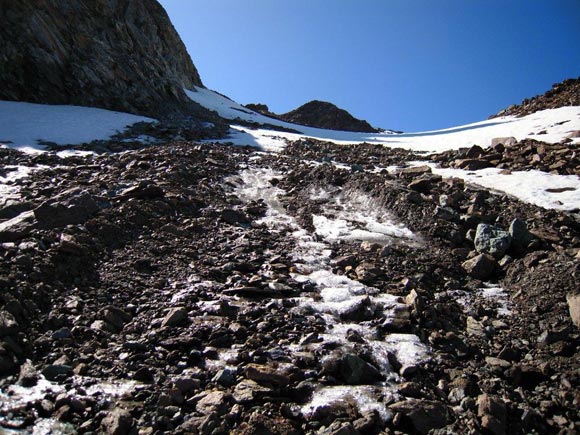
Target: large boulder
(492,240)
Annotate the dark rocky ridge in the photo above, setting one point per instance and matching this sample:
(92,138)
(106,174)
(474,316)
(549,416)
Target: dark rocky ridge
(319,114)
(122,55)
(566,93)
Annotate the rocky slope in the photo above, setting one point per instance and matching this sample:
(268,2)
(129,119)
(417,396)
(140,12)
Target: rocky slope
(148,288)
(121,55)
(566,93)
(319,114)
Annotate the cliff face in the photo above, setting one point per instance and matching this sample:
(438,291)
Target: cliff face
(321,114)
(120,55)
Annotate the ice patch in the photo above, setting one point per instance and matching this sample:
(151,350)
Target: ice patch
(499,296)
(364,396)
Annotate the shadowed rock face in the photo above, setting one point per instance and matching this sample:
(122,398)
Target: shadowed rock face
(326,115)
(120,55)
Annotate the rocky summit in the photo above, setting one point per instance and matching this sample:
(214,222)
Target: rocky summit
(285,284)
(322,114)
(319,114)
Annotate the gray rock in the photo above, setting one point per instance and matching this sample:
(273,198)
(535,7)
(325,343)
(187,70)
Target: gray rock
(481,267)
(492,240)
(117,422)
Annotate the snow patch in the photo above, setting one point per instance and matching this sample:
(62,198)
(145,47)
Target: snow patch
(549,191)
(24,125)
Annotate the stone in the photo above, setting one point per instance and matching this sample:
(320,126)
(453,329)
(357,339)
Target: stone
(234,217)
(422,415)
(367,272)
(28,376)
(521,237)
(492,240)
(574,307)
(339,428)
(176,317)
(225,377)
(212,402)
(248,391)
(481,267)
(116,317)
(77,208)
(505,141)
(144,190)
(362,310)
(355,371)
(264,374)
(117,422)
(54,371)
(493,413)
(18,227)
(8,324)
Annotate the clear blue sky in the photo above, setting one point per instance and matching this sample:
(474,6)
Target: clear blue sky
(402,64)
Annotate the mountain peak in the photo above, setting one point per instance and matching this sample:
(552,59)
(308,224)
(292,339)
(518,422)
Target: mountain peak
(322,114)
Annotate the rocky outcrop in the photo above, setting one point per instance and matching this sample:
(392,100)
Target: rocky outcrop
(120,55)
(566,93)
(321,114)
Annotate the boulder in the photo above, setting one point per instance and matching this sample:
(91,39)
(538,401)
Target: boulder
(176,317)
(490,239)
(481,267)
(117,422)
(422,415)
(18,227)
(77,208)
(264,374)
(505,141)
(355,371)
(521,237)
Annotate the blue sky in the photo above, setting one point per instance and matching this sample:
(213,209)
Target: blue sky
(403,64)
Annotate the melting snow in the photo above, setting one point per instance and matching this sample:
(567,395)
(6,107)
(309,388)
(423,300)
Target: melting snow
(550,191)
(23,125)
